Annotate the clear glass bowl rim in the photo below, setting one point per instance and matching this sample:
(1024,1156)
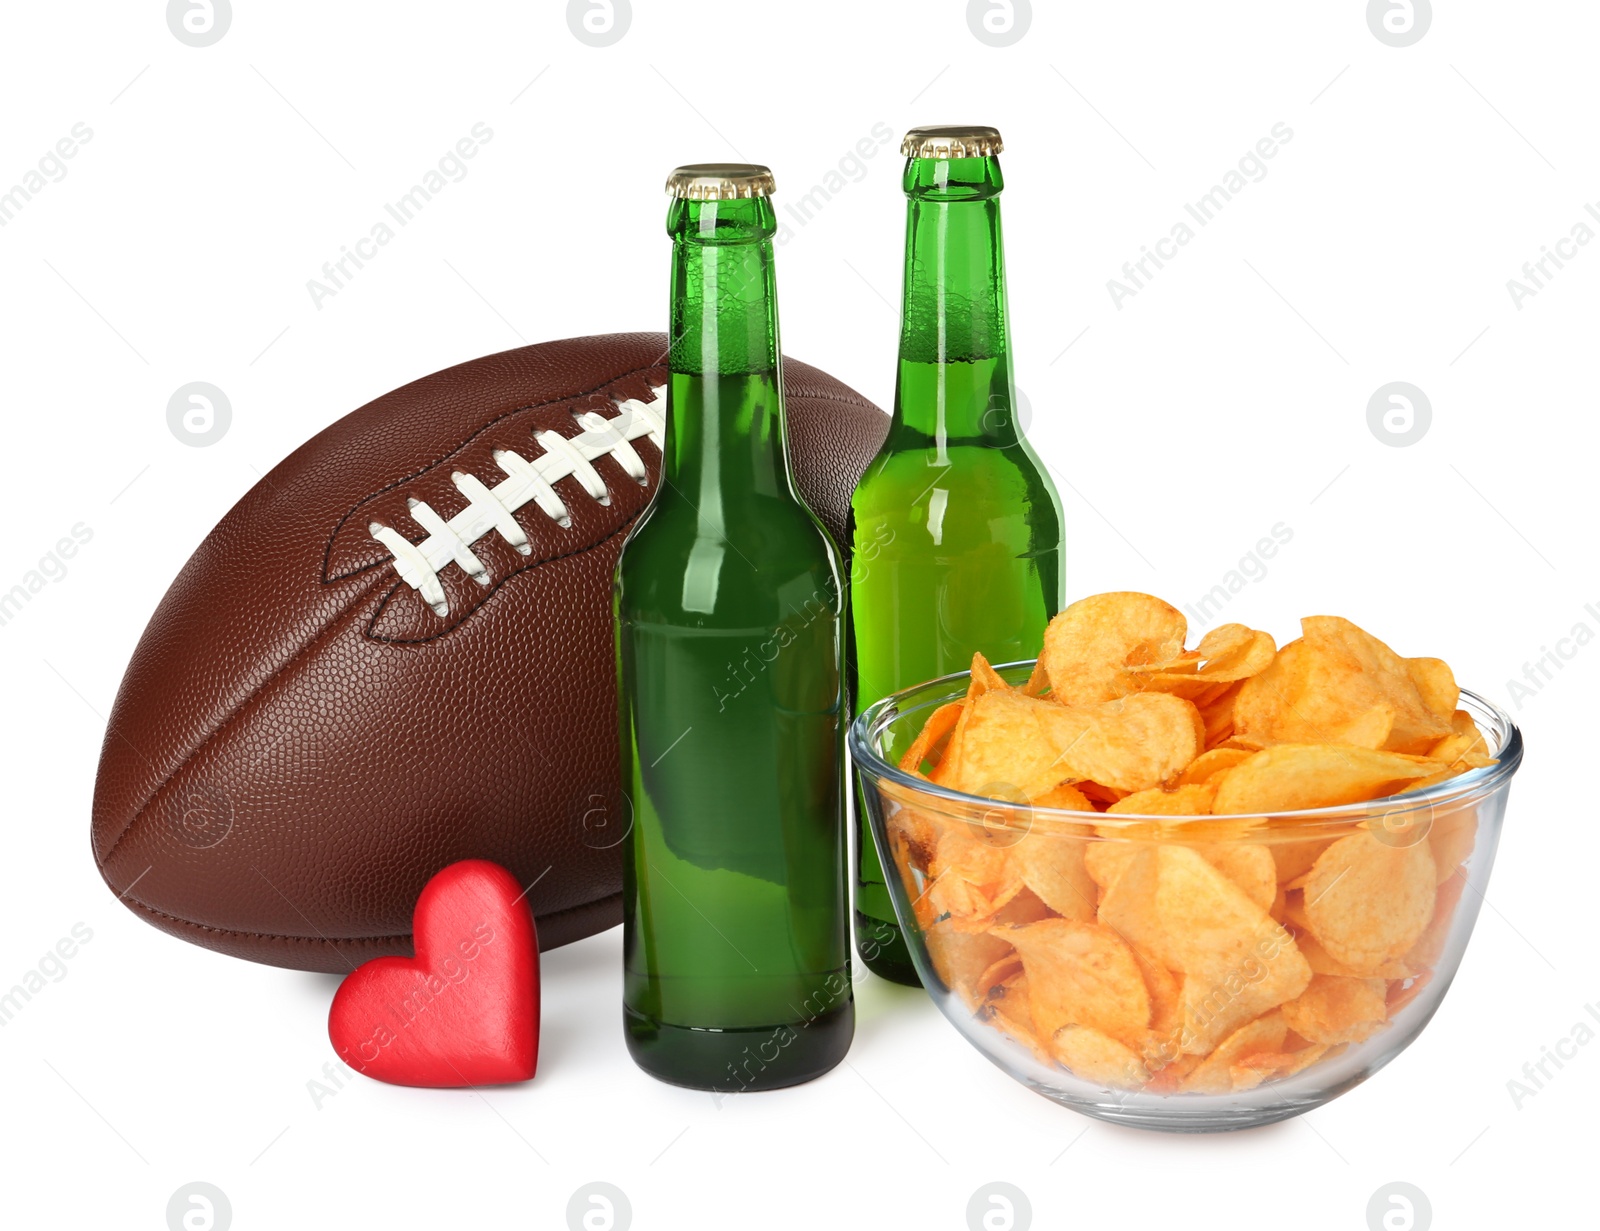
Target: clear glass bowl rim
(1503,734)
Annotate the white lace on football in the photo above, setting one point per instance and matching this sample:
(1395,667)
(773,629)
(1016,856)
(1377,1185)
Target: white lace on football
(491,509)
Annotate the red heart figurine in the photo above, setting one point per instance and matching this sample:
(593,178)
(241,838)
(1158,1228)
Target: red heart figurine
(465,1010)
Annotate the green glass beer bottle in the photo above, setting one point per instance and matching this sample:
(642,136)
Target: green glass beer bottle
(955,525)
(729,606)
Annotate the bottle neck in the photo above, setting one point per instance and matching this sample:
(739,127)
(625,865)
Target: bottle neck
(725,420)
(955,355)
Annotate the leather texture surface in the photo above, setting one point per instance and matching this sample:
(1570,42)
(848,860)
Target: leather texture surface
(300,742)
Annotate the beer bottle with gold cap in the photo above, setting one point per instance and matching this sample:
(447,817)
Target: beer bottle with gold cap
(729,606)
(956,526)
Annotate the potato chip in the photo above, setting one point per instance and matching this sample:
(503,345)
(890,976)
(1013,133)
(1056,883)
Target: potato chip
(1081,974)
(1402,994)
(981,681)
(1294,858)
(1247,865)
(1367,902)
(1371,729)
(1093,1056)
(1257,1067)
(1236,961)
(1164,989)
(1335,1009)
(1321,684)
(1321,964)
(1007,1007)
(986,677)
(1026,907)
(1429,947)
(1451,837)
(1052,867)
(1066,797)
(961,958)
(1213,1075)
(1031,745)
(1436,684)
(972,878)
(1231,652)
(1099,794)
(1089,646)
(938,727)
(1289,777)
(1038,680)
(1217,713)
(1192,800)
(1209,764)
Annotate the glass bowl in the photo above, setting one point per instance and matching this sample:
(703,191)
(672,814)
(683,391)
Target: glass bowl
(1283,959)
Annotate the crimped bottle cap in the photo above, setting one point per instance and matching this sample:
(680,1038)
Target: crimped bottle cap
(720,181)
(952,141)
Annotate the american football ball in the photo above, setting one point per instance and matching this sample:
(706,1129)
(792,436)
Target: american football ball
(396,653)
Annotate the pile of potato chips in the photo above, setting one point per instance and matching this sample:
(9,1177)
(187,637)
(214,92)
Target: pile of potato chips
(1210,945)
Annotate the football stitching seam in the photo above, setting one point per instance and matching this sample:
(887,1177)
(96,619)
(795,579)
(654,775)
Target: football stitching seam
(330,940)
(327,555)
(490,592)
(490,510)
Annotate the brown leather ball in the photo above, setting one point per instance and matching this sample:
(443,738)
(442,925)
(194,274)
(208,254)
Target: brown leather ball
(332,702)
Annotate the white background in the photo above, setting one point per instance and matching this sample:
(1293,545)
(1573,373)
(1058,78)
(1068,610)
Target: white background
(1228,395)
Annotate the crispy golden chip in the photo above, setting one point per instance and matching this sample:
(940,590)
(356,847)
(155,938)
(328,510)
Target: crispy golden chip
(1367,902)
(986,676)
(1081,974)
(938,727)
(1321,964)
(1066,797)
(1236,961)
(1052,867)
(1192,800)
(1209,764)
(1217,713)
(1089,646)
(1257,1067)
(1032,745)
(1213,1075)
(960,958)
(1436,685)
(972,878)
(1230,653)
(1318,686)
(1294,859)
(1371,729)
(945,772)
(1248,866)
(1451,838)
(1289,777)
(1164,990)
(1334,1009)
(1008,1009)
(1430,945)
(1027,907)
(1038,680)
(1094,1056)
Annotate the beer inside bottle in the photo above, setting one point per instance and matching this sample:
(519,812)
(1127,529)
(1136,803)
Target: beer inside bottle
(729,608)
(956,527)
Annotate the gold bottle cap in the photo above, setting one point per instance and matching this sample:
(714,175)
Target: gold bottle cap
(952,141)
(720,181)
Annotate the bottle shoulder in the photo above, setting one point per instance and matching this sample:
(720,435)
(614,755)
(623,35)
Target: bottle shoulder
(752,570)
(985,480)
